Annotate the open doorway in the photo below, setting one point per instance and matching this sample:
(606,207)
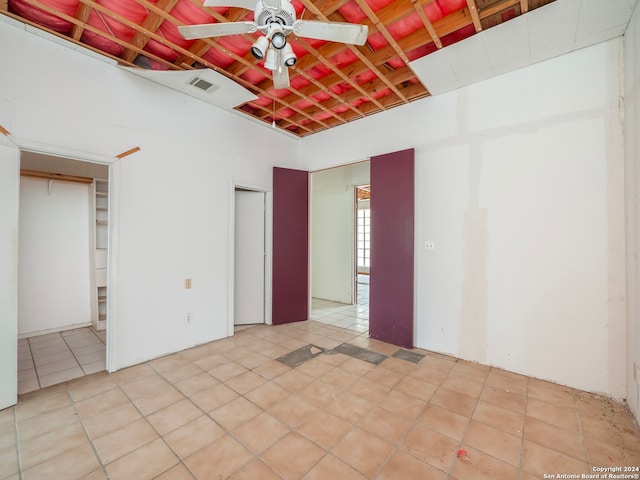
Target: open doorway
(340,294)
(62,269)
(249,258)
(362,195)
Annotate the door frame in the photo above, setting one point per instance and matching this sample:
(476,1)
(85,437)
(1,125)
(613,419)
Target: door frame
(354,246)
(113,199)
(413,294)
(268,228)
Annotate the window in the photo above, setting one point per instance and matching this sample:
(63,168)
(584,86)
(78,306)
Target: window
(364,237)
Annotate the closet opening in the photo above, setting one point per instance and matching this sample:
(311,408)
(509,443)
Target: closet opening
(62,269)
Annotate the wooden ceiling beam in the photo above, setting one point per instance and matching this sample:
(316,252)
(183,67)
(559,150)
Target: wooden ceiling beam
(323,60)
(88,27)
(498,7)
(151,23)
(82,14)
(209,41)
(382,29)
(475,16)
(358,51)
(418,7)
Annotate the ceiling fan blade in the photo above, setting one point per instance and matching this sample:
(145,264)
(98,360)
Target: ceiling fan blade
(281,74)
(332,31)
(208,30)
(248,4)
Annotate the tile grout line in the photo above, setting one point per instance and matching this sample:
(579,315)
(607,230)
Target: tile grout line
(72,353)
(86,433)
(585,451)
(33,361)
(206,414)
(17,440)
(144,417)
(468,426)
(524,425)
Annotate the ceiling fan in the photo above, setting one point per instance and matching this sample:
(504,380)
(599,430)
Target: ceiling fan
(275,19)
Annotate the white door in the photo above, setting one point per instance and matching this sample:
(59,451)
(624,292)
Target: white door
(249,258)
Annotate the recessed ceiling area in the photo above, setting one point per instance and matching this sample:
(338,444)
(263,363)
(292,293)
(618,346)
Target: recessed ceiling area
(414,48)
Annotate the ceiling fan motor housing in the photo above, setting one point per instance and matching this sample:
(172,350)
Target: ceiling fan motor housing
(286,15)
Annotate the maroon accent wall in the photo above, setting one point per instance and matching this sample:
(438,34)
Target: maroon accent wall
(290,245)
(392,225)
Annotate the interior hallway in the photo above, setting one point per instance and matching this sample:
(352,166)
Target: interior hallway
(351,317)
(229,409)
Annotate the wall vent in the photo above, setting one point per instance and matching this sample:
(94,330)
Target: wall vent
(203,85)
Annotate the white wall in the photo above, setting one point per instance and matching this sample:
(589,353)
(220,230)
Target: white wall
(632,163)
(519,182)
(9,181)
(54,271)
(171,200)
(332,231)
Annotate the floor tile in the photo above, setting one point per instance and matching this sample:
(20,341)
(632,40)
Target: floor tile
(331,467)
(174,416)
(75,463)
(558,415)
(279,456)
(565,441)
(219,459)
(145,463)
(233,414)
(261,432)
(541,460)
(384,424)
(504,398)
(324,429)
(444,421)
(402,466)
(342,417)
(494,442)
(431,447)
(193,436)
(120,442)
(478,465)
(498,417)
(293,410)
(158,400)
(256,469)
(363,451)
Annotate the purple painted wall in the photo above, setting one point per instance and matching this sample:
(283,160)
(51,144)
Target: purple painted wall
(290,245)
(392,224)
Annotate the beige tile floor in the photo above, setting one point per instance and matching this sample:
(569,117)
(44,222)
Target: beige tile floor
(228,409)
(352,317)
(46,360)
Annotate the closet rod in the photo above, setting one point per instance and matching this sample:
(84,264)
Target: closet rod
(55,176)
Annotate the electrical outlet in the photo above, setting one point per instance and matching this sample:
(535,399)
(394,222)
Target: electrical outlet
(187,283)
(429,246)
(188,318)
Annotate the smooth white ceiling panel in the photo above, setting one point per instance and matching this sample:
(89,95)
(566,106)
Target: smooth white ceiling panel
(546,32)
(224,92)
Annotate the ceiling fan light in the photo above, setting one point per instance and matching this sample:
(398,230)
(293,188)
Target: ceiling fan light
(259,48)
(272,60)
(288,57)
(278,40)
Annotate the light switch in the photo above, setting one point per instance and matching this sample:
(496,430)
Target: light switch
(187,283)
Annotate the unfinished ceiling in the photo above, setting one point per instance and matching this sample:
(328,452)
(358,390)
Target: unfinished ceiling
(331,84)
